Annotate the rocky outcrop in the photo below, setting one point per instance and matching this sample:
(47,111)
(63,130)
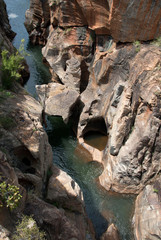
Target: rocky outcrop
(124,90)
(22,137)
(147,217)
(37,21)
(122,100)
(6,34)
(125,21)
(135,20)
(111,233)
(72,50)
(58,223)
(4,22)
(25,143)
(57,99)
(64,191)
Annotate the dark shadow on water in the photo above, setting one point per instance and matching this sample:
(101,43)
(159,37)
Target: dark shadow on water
(102,208)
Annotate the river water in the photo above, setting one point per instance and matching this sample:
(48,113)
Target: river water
(67,154)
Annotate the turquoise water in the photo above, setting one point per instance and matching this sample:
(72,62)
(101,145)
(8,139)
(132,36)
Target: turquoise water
(67,153)
(101,207)
(39,73)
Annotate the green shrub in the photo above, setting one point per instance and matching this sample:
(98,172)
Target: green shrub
(157,42)
(11,64)
(137,45)
(4,94)
(27,229)
(6,122)
(155,190)
(9,195)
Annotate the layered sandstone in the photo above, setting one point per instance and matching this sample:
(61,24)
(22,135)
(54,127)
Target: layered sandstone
(124,95)
(122,100)
(125,21)
(147,217)
(4,22)
(135,20)
(38,21)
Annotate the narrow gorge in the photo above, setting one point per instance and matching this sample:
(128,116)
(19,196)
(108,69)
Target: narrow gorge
(81,138)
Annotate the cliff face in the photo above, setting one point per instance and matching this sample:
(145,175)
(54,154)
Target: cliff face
(104,87)
(4,22)
(114,90)
(26,161)
(125,21)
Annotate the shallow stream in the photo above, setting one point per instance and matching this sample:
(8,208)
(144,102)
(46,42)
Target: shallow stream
(67,153)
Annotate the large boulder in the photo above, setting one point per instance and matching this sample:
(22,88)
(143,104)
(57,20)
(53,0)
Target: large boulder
(68,52)
(111,233)
(57,99)
(64,191)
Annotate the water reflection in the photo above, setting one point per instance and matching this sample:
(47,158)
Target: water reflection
(102,208)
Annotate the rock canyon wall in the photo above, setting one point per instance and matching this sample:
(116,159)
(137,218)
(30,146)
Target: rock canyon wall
(106,81)
(105,86)
(26,161)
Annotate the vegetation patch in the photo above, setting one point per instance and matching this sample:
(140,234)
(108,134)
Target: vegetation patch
(137,45)
(9,195)
(7,122)
(157,42)
(11,65)
(155,190)
(4,94)
(27,229)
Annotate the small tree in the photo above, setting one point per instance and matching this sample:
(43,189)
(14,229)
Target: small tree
(11,65)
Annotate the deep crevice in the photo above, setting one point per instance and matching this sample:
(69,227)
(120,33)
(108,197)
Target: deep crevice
(95,125)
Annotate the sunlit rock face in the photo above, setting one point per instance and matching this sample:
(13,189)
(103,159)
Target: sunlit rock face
(147,216)
(125,21)
(4,22)
(25,140)
(68,52)
(117,86)
(6,34)
(37,21)
(124,89)
(135,20)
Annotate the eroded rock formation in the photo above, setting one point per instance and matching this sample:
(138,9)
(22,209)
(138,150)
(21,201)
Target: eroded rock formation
(24,139)
(4,23)
(122,100)
(147,217)
(125,21)
(113,88)
(26,161)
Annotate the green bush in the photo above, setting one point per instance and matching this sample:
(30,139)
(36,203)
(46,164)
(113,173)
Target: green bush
(27,229)
(9,195)
(157,42)
(155,190)
(6,122)
(4,94)
(11,65)
(137,45)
